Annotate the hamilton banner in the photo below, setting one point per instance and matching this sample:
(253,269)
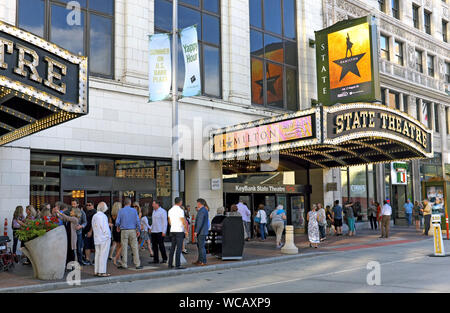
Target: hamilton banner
(189,43)
(160,69)
(347,62)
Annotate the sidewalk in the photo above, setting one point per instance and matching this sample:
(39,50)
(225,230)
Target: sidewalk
(255,252)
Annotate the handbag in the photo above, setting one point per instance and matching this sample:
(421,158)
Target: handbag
(257,219)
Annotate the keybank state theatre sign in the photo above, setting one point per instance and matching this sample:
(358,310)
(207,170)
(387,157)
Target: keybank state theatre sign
(41,84)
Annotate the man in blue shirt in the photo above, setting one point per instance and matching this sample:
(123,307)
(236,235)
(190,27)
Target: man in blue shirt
(129,225)
(337,217)
(201,231)
(408,211)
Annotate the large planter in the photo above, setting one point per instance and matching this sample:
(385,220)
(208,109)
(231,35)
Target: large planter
(48,254)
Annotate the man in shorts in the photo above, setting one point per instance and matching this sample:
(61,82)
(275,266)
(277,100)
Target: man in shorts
(337,217)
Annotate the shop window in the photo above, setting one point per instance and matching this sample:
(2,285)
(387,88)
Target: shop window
(164,182)
(206,15)
(273,49)
(87,33)
(135,169)
(85,166)
(45,179)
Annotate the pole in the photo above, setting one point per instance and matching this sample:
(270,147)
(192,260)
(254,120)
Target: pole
(175,148)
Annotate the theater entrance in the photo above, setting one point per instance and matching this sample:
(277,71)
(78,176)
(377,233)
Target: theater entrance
(294,199)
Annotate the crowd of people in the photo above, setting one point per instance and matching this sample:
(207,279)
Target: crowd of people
(107,235)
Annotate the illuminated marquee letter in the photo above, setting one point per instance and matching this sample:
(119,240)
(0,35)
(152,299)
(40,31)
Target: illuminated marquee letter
(9,49)
(339,124)
(32,65)
(51,75)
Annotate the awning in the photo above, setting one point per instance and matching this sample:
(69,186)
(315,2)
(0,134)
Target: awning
(323,137)
(41,84)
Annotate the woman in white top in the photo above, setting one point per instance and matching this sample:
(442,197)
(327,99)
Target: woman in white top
(102,239)
(261,218)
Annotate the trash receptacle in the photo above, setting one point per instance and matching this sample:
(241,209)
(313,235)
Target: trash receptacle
(226,237)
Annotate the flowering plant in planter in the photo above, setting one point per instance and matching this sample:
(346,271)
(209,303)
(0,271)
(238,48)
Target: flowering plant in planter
(36,228)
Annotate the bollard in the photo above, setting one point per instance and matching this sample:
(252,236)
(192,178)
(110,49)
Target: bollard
(5,232)
(289,246)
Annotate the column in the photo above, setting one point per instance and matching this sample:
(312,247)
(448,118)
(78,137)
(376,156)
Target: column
(386,97)
(432,118)
(14,182)
(236,51)
(402,104)
(198,175)
(132,29)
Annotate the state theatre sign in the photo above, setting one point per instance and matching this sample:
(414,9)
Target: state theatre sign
(324,137)
(41,84)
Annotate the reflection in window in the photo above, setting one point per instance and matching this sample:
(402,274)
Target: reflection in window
(68,36)
(31,16)
(206,15)
(84,166)
(58,24)
(273,49)
(45,179)
(101,40)
(135,169)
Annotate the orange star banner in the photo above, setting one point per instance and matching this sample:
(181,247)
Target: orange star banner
(347,62)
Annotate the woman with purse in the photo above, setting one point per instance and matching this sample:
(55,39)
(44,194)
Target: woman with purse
(322,221)
(261,219)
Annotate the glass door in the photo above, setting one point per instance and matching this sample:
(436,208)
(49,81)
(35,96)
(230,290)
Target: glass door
(297,211)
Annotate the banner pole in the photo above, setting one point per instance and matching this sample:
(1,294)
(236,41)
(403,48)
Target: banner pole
(175,147)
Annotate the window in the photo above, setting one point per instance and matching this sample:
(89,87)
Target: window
(444,31)
(419,65)
(430,65)
(427,22)
(446,121)
(45,178)
(406,104)
(394,100)
(426,114)
(382,5)
(415,11)
(89,33)
(398,50)
(436,117)
(395,9)
(384,46)
(206,15)
(273,49)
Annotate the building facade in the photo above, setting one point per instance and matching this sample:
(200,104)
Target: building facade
(257,61)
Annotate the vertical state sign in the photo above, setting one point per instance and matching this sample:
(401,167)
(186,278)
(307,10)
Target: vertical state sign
(189,42)
(347,62)
(160,68)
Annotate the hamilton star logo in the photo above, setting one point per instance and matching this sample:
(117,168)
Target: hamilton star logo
(270,80)
(349,64)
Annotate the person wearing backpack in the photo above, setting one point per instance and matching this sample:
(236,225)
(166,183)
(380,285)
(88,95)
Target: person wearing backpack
(261,219)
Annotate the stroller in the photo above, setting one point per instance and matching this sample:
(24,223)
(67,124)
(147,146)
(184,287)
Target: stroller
(6,256)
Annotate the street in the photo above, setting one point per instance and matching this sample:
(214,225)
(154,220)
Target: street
(404,268)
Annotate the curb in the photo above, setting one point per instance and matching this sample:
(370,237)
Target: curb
(159,274)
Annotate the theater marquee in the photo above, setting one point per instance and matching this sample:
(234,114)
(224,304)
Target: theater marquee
(41,84)
(338,136)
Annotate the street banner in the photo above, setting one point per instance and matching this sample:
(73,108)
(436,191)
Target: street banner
(347,62)
(189,43)
(160,67)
